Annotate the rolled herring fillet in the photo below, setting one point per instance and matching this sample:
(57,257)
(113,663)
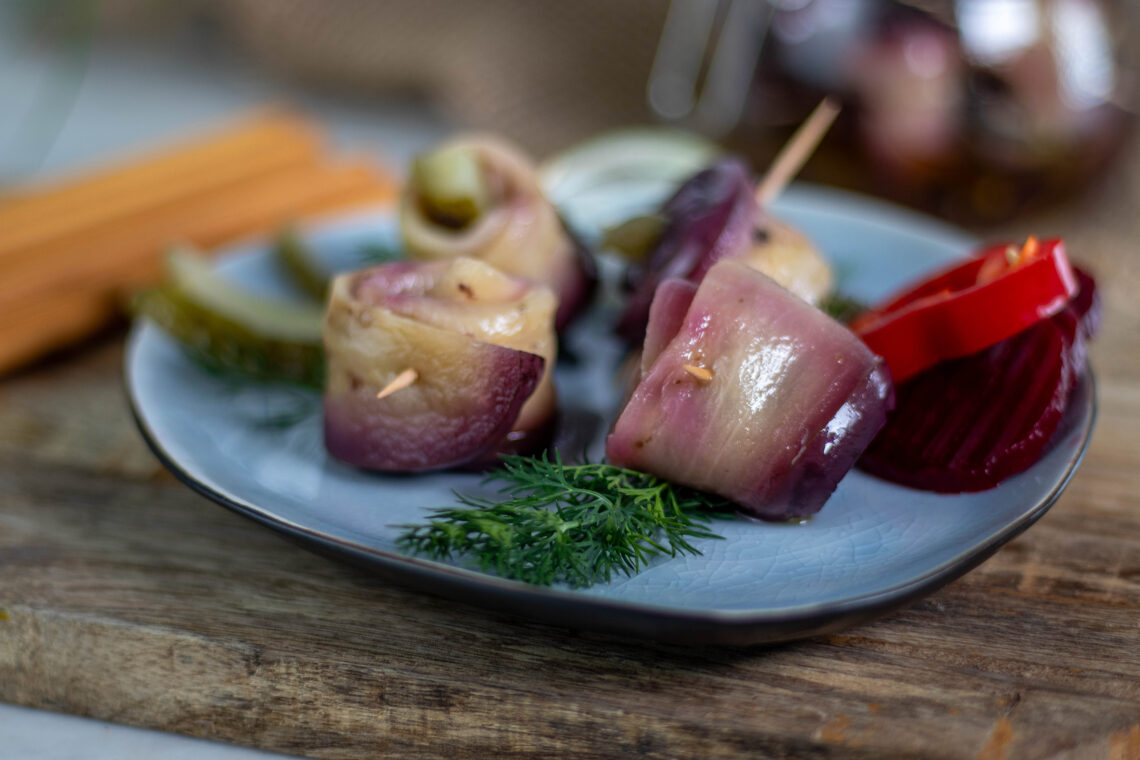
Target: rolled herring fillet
(714,216)
(751,393)
(518,231)
(481,344)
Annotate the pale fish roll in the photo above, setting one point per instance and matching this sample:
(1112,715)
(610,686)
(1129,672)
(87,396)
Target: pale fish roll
(480,197)
(468,349)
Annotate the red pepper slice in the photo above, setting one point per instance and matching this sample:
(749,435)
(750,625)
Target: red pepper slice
(969,307)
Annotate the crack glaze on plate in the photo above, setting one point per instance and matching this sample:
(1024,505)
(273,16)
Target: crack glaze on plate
(874,547)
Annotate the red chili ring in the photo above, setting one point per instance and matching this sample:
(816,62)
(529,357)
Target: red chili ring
(952,314)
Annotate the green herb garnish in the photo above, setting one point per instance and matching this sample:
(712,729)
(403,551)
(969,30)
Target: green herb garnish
(842,308)
(379,253)
(574,524)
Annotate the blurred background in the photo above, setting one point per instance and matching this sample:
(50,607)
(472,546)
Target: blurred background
(975,110)
(128,125)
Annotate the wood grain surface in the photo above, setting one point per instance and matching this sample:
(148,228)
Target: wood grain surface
(125,596)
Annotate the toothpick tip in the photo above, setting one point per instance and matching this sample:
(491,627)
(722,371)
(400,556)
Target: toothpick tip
(399,383)
(702,374)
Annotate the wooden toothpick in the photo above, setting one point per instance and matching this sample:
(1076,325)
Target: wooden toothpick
(399,383)
(702,374)
(796,151)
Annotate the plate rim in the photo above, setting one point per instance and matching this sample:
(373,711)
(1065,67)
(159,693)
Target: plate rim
(672,623)
(570,608)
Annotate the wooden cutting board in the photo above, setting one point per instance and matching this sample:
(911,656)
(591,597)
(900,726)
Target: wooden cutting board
(125,596)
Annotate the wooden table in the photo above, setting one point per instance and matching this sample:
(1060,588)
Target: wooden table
(125,596)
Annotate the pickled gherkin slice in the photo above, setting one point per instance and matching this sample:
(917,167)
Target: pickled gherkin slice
(300,261)
(231,330)
(301,265)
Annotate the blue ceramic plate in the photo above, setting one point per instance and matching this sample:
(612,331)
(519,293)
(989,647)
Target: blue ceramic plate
(874,547)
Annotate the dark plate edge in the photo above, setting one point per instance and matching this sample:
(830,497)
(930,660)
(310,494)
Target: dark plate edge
(572,610)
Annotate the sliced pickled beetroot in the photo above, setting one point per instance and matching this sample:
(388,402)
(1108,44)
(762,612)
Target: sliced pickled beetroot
(751,393)
(710,217)
(968,424)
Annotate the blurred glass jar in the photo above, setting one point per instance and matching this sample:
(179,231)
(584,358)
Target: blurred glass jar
(974,109)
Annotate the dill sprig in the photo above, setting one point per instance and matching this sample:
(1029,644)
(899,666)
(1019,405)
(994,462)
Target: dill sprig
(573,524)
(379,253)
(842,308)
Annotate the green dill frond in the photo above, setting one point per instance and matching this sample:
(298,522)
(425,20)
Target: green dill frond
(572,524)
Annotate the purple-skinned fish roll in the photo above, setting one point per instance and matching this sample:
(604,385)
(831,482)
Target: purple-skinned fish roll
(469,348)
(714,216)
(749,392)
